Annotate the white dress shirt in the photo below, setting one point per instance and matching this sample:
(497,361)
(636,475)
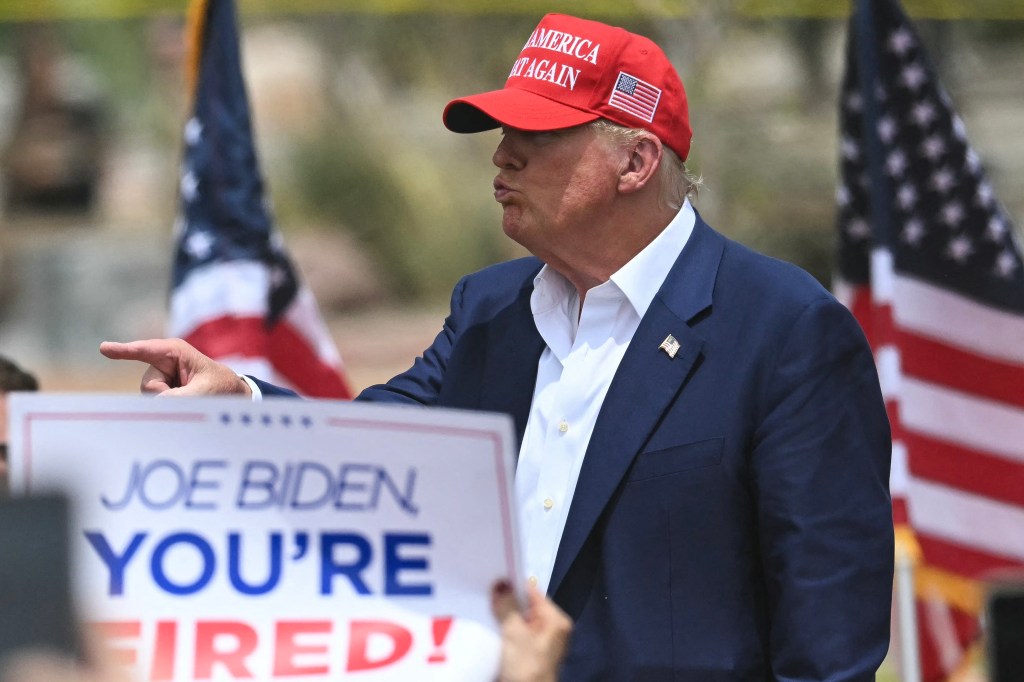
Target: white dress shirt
(573,375)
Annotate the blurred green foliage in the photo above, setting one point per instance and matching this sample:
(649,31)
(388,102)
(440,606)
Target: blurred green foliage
(342,180)
(377,163)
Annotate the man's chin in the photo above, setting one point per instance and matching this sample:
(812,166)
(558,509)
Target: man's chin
(511,223)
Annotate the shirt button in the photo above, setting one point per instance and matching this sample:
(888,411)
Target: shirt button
(549,503)
(532,580)
(563,426)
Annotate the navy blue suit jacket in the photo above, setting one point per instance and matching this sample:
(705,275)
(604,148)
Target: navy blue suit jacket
(732,518)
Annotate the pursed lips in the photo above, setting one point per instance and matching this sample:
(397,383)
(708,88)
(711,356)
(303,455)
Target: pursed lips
(501,191)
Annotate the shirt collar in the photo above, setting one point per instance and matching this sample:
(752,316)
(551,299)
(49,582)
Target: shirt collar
(641,278)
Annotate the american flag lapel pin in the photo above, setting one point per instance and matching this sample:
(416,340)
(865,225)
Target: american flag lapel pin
(670,346)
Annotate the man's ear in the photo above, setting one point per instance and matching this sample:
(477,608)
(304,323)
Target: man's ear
(644,159)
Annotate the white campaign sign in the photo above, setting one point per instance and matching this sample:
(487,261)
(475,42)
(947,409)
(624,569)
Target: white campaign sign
(285,540)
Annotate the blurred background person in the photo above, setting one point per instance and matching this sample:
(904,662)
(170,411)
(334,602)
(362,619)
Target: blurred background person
(54,158)
(12,378)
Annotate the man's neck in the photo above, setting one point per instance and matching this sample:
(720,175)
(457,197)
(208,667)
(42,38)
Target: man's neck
(619,245)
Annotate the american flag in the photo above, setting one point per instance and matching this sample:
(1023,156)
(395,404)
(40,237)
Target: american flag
(236,295)
(634,96)
(931,265)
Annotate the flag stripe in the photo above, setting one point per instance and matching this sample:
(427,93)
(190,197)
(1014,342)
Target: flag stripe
(304,317)
(631,107)
(938,363)
(238,288)
(220,288)
(297,362)
(958,558)
(946,414)
(233,337)
(899,468)
(933,668)
(856,297)
(642,94)
(939,622)
(958,321)
(963,468)
(966,519)
(899,510)
(887,360)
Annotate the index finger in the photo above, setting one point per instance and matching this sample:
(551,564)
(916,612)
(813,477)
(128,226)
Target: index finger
(150,351)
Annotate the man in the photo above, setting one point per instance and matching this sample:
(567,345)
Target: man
(703,473)
(12,378)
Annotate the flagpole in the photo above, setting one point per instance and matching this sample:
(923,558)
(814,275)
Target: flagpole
(906,610)
(910,660)
(881,275)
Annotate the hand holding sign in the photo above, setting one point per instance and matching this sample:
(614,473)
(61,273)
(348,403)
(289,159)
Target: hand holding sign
(532,643)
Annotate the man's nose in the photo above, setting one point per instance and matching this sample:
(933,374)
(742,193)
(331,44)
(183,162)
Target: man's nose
(506,156)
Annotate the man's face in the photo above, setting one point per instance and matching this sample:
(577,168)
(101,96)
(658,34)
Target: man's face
(554,186)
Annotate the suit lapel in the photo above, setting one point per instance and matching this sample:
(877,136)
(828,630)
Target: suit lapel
(645,384)
(510,371)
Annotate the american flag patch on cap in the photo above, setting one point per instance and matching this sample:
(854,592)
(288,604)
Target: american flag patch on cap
(634,96)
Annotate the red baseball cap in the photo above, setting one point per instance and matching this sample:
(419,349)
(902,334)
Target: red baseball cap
(573,71)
